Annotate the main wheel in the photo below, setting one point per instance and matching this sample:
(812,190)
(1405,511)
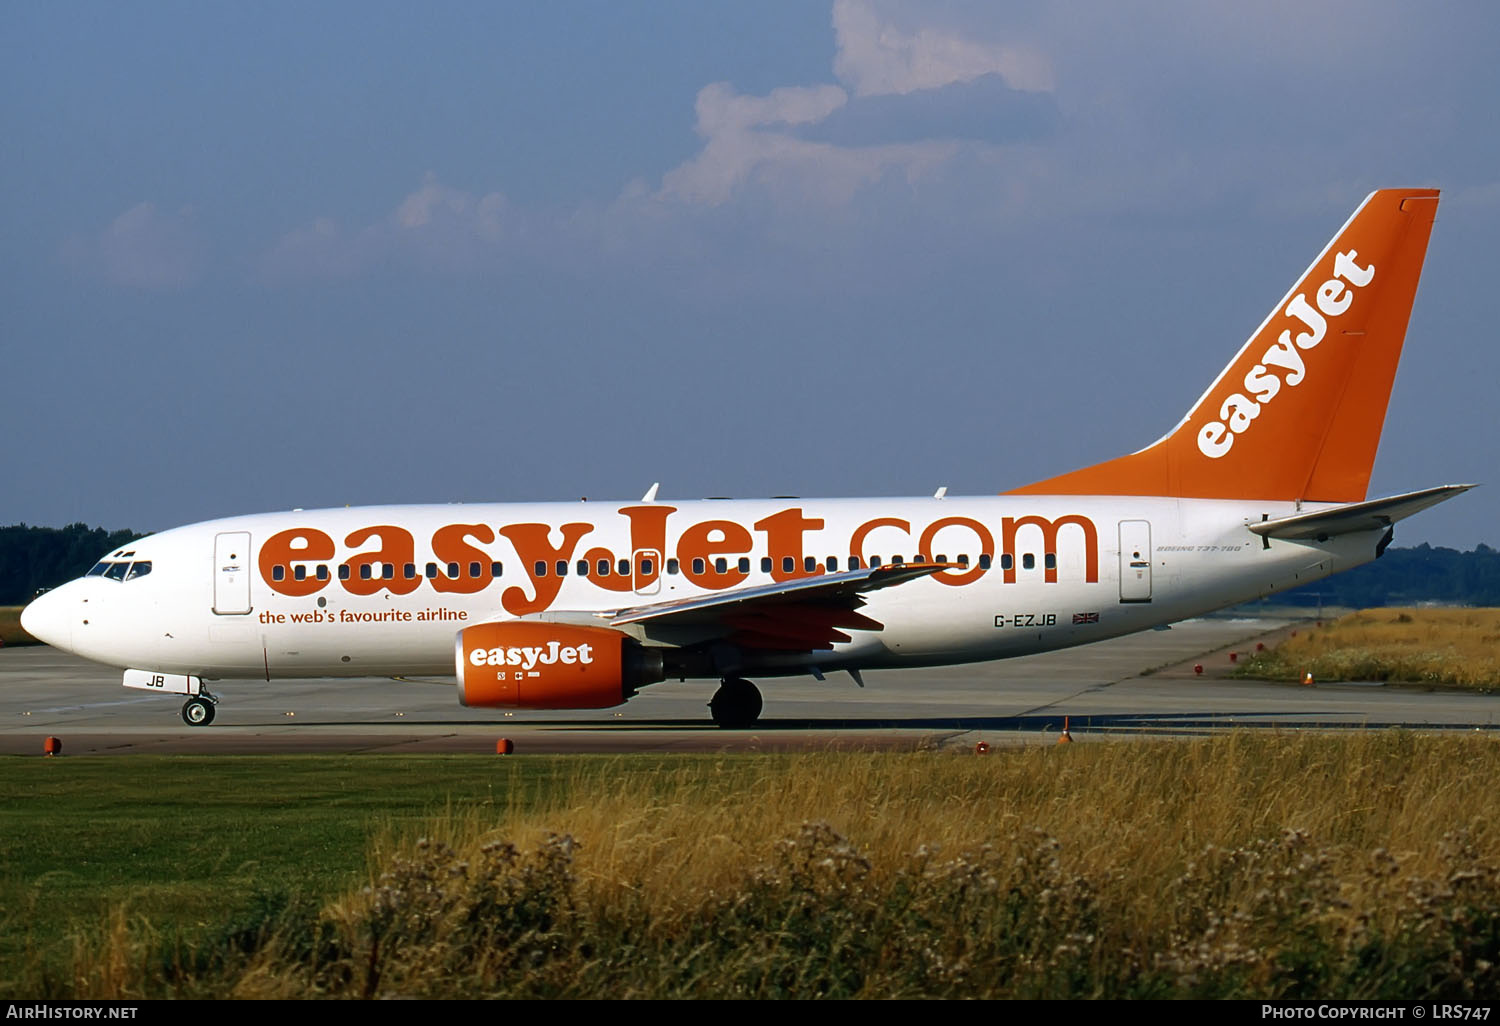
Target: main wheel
(737,703)
(197,712)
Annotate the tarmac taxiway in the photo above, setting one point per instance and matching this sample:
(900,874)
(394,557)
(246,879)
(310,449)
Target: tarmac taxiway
(1141,685)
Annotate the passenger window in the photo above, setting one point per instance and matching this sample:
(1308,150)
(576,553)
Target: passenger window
(541,568)
(453,571)
(874,562)
(388,571)
(833,564)
(919,558)
(744,564)
(409,571)
(496,569)
(583,568)
(897,561)
(984,560)
(963,559)
(1007,561)
(1050,561)
(603,567)
(299,572)
(1028,562)
(809,564)
(322,574)
(648,567)
(853,562)
(698,565)
(343,572)
(431,571)
(721,565)
(476,569)
(673,566)
(624,567)
(278,572)
(788,564)
(364,572)
(140,568)
(562,568)
(765,564)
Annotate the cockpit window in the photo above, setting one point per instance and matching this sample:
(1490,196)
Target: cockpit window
(116,569)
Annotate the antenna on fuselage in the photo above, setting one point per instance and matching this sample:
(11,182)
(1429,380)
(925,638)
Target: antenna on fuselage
(650,495)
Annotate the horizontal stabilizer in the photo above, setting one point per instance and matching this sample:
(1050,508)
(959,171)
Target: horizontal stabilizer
(1356,516)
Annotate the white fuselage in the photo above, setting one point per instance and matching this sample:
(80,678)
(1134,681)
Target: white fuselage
(371,591)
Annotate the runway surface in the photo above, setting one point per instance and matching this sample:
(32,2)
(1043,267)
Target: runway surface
(1143,685)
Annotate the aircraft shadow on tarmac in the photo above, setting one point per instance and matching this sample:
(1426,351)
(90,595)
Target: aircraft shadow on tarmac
(1050,723)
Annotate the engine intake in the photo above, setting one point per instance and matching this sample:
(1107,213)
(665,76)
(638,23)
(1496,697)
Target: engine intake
(526,664)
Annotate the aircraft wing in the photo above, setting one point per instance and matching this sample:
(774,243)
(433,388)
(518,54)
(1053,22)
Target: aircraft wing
(797,615)
(1352,517)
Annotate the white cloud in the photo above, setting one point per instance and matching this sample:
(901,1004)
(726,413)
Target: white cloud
(720,109)
(762,158)
(143,248)
(738,152)
(435,228)
(954,120)
(875,56)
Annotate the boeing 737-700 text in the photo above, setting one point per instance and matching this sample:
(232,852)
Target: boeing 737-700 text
(1260,487)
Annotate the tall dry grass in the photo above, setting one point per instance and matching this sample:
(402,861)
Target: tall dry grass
(1453,647)
(1246,865)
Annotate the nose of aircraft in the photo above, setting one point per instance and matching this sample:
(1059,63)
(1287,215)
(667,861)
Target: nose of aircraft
(48,619)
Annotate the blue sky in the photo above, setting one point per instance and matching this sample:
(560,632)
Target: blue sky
(275,255)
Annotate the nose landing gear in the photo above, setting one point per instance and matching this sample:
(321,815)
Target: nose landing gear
(198,711)
(737,703)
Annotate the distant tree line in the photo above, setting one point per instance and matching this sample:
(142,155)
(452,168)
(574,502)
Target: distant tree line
(1406,577)
(32,558)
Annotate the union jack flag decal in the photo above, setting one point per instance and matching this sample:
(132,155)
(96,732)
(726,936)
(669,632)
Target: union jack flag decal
(1085,618)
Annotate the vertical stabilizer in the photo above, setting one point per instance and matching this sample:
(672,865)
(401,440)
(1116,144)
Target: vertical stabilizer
(1297,413)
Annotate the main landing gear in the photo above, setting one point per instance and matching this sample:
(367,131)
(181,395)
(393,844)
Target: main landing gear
(736,704)
(198,711)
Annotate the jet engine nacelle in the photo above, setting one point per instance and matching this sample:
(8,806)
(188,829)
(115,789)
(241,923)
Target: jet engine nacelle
(527,664)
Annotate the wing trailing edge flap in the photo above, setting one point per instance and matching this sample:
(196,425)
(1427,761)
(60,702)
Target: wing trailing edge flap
(805,614)
(1353,517)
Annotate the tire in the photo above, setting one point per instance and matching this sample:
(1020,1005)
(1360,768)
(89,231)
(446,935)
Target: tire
(736,704)
(197,712)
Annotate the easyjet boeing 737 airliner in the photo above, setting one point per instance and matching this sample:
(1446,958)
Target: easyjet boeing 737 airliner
(1260,487)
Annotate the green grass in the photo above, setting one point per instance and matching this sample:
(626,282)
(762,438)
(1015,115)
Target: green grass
(10,627)
(181,840)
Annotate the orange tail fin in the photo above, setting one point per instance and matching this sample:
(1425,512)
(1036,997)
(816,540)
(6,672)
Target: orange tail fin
(1297,413)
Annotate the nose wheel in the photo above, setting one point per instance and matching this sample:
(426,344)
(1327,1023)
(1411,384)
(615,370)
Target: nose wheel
(198,711)
(737,703)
